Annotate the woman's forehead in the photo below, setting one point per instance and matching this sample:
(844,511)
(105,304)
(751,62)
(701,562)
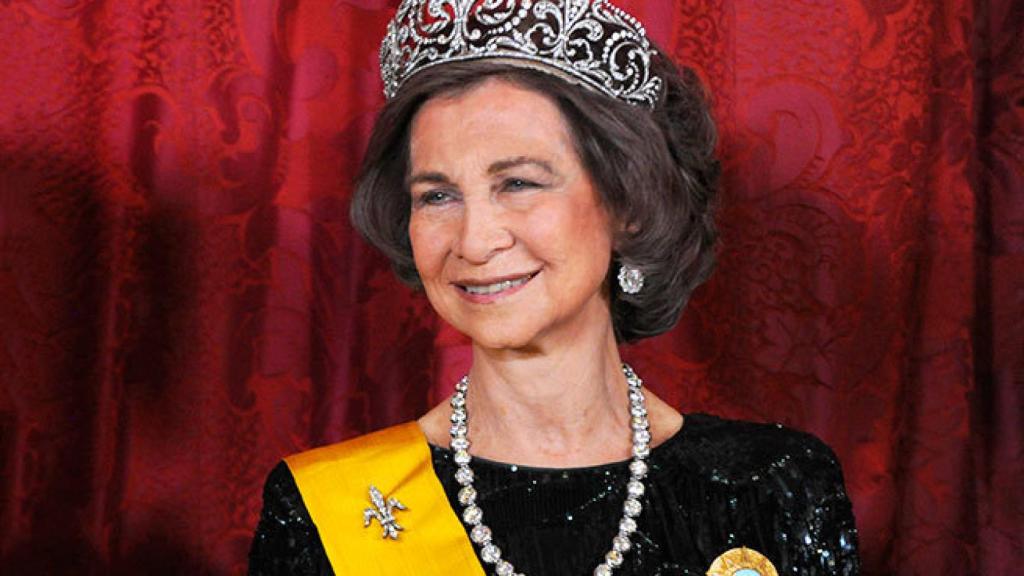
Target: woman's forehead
(495,118)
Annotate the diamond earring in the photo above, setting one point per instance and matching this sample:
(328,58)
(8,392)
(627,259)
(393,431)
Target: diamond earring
(631,279)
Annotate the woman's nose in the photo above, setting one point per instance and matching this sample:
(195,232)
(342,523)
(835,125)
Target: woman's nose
(483,233)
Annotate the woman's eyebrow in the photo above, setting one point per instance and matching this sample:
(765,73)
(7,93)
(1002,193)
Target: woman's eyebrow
(495,168)
(428,177)
(501,165)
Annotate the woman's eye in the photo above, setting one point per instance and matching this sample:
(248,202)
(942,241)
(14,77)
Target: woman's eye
(435,197)
(519,184)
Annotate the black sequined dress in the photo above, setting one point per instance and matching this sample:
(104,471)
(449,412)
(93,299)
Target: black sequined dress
(715,485)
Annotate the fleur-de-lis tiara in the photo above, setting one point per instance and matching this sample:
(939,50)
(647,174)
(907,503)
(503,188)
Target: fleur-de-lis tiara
(589,42)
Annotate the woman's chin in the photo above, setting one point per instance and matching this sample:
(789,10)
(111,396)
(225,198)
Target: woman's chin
(502,338)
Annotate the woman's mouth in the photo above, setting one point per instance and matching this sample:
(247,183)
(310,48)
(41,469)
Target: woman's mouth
(497,286)
(485,292)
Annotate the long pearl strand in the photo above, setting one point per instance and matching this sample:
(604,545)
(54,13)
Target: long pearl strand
(473,516)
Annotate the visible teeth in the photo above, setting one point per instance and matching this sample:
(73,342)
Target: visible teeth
(497,286)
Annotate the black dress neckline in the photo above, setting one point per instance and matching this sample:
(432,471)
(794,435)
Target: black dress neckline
(666,446)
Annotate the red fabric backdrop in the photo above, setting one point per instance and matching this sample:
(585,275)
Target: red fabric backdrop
(183,302)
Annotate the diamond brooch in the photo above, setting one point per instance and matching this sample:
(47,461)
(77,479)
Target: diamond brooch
(383,511)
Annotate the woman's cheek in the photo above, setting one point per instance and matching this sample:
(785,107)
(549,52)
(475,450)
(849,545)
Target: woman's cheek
(422,250)
(426,240)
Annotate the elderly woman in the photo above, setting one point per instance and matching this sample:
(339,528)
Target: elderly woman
(548,179)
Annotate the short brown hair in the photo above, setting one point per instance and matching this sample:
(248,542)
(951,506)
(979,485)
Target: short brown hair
(655,170)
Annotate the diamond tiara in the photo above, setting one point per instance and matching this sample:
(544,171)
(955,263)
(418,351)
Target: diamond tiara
(589,42)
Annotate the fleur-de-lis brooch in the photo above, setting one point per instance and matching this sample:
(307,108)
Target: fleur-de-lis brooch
(383,512)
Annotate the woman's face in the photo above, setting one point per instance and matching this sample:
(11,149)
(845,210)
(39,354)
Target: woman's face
(508,233)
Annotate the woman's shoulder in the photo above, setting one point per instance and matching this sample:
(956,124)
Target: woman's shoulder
(377,444)
(739,451)
(766,486)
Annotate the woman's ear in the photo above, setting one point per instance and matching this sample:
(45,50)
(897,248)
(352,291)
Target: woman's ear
(621,233)
(625,228)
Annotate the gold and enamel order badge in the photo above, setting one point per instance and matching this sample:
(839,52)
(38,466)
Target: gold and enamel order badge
(742,562)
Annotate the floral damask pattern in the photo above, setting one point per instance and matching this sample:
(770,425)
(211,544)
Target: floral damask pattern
(183,300)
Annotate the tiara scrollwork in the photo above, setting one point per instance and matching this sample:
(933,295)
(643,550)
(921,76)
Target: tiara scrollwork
(592,42)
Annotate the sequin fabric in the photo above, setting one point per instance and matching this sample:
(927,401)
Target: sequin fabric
(716,484)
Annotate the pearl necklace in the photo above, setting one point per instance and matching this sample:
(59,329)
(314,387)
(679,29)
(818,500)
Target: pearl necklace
(473,516)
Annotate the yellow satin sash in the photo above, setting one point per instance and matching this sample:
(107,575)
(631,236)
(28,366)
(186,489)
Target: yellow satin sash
(334,482)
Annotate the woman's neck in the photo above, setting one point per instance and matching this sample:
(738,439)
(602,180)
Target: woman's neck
(561,403)
(564,406)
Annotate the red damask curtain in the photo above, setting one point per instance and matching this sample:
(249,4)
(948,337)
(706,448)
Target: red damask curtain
(183,301)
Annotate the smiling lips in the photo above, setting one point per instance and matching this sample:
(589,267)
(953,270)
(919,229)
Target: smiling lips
(483,290)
